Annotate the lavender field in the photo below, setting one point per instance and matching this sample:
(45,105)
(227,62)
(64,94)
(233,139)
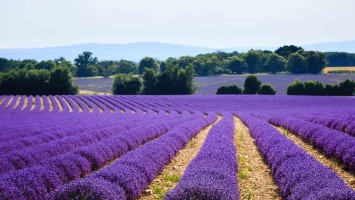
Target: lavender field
(210,84)
(177,147)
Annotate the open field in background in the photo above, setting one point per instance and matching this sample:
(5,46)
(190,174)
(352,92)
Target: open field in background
(327,70)
(209,85)
(177,147)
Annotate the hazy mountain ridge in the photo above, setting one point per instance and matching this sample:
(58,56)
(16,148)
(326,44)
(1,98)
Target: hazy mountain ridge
(136,51)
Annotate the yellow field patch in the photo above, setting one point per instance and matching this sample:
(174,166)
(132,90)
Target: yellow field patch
(326,70)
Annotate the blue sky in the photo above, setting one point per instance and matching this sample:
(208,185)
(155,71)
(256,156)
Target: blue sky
(206,23)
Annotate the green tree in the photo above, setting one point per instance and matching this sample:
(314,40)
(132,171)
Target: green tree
(173,80)
(185,81)
(86,64)
(150,79)
(229,89)
(237,64)
(267,89)
(251,85)
(275,63)
(346,88)
(148,63)
(297,64)
(3,64)
(316,61)
(126,84)
(61,82)
(254,60)
(286,50)
(36,82)
(106,68)
(66,63)
(48,65)
(126,67)
(295,88)
(314,88)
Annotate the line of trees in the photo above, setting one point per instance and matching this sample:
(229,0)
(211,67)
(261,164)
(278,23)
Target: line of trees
(57,80)
(173,80)
(252,85)
(290,58)
(315,88)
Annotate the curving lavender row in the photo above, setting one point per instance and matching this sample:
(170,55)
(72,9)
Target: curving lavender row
(49,135)
(132,173)
(79,163)
(346,125)
(298,175)
(331,142)
(212,173)
(32,156)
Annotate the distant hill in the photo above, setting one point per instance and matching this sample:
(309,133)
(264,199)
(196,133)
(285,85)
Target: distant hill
(346,46)
(136,51)
(130,51)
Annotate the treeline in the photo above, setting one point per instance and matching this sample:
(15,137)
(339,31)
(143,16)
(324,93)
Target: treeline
(57,80)
(173,80)
(29,77)
(340,59)
(290,58)
(252,85)
(315,88)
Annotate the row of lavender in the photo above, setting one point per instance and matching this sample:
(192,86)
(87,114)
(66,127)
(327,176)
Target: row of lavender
(75,104)
(332,142)
(50,158)
(33,172)
(130,175)
(298,175)
(212,173)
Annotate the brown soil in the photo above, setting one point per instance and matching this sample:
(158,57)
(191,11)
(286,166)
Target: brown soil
(254,177)
(58,103)
(2,100)
(42,103)
(338,168)
(25,103)
(33,104)
(50,103)
(170,175)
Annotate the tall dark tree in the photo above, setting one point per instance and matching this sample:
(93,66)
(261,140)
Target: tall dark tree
(254,60)
(275,63)
(286,50)
(316,61)
(346,88)
(148,63)
(251,85)
(297,64)
(86,64)
(126,84)
(150,80)
(237,65)
(3,64)
(61,82)
(36,82)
